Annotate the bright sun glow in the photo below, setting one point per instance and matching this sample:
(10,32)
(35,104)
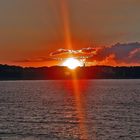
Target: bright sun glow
(72,63)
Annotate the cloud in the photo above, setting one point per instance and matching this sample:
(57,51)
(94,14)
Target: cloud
(118,54)
(88,50)
(79,54)
(135,55)
(59,52)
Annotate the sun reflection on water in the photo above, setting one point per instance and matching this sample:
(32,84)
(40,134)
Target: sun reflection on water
(77,89)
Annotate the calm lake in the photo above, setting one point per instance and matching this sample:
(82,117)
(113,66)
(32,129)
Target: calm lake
(70,110)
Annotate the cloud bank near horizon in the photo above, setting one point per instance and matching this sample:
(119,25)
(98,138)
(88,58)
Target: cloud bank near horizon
(115,55)
(119,55)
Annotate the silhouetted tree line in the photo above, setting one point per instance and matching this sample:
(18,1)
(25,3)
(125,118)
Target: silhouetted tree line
(56,72)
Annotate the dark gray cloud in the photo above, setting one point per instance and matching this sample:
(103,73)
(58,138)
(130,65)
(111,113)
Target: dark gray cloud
(122,53)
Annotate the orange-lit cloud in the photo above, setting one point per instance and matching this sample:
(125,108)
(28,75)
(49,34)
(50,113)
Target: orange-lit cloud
(115,55)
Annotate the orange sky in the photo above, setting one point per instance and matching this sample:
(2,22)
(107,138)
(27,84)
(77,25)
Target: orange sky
(30,30)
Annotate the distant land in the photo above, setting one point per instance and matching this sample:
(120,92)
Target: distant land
(58,72)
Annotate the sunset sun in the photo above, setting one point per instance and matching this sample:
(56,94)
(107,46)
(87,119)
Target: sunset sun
(72,63)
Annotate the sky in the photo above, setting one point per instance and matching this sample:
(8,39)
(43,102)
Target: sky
(31,29)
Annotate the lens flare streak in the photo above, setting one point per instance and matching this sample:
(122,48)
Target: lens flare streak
(65,18)
(68,41)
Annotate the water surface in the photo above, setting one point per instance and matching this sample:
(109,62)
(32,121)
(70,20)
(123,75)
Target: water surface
(59,110)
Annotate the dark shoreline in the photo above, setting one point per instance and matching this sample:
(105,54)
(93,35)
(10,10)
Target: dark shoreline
(63,73)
